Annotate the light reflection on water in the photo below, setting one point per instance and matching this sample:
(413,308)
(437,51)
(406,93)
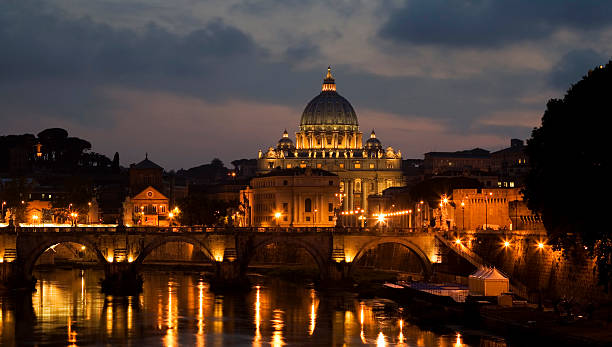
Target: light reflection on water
(180,310)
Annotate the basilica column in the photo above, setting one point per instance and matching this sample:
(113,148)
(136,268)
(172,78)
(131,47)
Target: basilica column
(351,195)
(364,195)
(345,198)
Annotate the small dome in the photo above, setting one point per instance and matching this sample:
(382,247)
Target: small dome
(285,142)
(373,142)
(329,109)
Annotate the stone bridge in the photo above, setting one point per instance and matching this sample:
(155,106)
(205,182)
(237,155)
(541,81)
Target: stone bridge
(229,250)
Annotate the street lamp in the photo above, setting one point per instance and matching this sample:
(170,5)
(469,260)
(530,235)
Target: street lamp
(277,216)
(170,216)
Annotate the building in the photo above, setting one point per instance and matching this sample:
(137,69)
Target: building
(497,208)
(329,139)
(296,197)
(145,174)
(147,208)
(437,163)
(511,164)
(146,205)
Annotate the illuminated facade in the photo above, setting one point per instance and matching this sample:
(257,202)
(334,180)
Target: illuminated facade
(147,208)
(329,138)
(291,197)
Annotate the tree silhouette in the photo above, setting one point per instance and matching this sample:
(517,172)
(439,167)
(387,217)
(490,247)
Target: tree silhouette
(570,168)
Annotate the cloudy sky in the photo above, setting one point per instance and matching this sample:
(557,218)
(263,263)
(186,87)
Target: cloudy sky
(190,80)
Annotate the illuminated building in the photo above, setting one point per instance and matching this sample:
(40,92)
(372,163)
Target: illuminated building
(146,205)
(291,197)
(329,139)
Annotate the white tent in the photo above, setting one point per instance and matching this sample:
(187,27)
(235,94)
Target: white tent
(488,282)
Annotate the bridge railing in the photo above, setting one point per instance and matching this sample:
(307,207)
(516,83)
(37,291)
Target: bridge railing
(203,229)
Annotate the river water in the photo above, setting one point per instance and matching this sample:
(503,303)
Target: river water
(178,309)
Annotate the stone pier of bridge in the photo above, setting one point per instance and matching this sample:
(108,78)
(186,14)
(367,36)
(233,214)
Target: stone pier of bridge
(229,250)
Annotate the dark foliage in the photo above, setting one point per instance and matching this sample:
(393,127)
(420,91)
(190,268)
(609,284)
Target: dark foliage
(569,156)
(201,209)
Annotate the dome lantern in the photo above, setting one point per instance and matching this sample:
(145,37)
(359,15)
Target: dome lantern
(329,83)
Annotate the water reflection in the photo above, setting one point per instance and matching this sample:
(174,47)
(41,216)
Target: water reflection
(179,309)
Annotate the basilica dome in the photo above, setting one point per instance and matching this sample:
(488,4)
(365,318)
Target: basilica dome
(329,110)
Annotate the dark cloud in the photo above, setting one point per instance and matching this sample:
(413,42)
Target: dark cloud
(573,65)
(486,23)
(37,44)
(302,51)
(58,66)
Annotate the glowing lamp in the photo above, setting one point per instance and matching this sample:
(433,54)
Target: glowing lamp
(507,244)
(458,241)
(540,245)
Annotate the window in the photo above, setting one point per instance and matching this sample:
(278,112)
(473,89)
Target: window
(302,165)
(331,183)
(308,205)
(371,165)
(307,219)
(341,165)
(318,165)
(357,165)
(330,218)
(288,166)
(270,165)
(330,207)
(285,182)
(285,207)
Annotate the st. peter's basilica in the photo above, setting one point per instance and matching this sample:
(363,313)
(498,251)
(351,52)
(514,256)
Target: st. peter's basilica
(329,138)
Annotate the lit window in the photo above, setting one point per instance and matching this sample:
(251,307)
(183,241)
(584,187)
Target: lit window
(288,166)
(319,166)
(302,165)
(357,166)
(371,165)
(511,184)
(342,166)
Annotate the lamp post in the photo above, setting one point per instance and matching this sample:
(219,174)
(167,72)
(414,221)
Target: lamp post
(487,210)
(421,212)
(463,214)
(277,216)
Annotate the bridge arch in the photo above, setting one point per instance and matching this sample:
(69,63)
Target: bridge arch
(424,260)
(162,240)
(319,258)
(44,244)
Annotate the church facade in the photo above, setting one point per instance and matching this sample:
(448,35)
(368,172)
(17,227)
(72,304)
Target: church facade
(329,139)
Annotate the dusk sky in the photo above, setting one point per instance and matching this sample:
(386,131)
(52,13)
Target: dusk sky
(191,80)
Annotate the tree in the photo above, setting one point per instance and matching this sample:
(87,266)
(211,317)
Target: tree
(15,193)
(570,168)
(77,196)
